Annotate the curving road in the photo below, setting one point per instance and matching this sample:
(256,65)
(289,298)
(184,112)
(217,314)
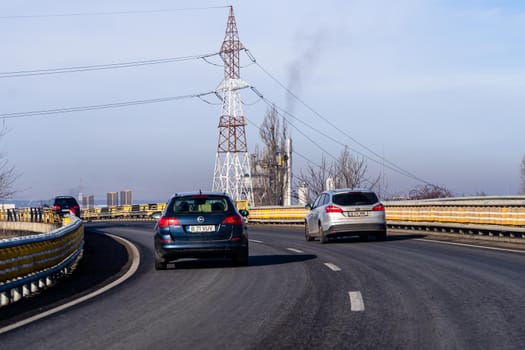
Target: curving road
(404,293)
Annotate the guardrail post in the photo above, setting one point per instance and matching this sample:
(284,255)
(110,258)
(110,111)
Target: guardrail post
(49,282)
(4,299)
(15,294)
(34,287)
(26,291)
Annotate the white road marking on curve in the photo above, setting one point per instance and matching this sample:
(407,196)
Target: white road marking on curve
(332,267)
(356,301)
(295,250)
(255,241)
(135,262)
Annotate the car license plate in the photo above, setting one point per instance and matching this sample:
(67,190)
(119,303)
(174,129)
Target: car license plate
(201,228)
(357,213)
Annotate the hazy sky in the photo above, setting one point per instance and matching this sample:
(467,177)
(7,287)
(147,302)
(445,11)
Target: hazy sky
(436,87)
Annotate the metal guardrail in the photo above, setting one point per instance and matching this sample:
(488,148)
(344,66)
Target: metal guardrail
(30,263)
(506,214)
(42,215)
(491,216)
(124,212)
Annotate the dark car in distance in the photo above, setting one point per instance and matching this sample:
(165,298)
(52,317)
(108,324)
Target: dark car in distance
(200,225)
(66,205)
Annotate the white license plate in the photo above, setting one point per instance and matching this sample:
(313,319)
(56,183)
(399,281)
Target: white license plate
(357,213)
(201,228)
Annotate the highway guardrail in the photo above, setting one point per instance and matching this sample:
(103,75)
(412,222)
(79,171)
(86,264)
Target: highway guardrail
(30,263)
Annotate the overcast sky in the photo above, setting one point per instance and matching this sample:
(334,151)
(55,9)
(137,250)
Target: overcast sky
(435,87)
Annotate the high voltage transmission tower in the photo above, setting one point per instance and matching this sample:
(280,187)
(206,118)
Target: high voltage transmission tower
(232,162)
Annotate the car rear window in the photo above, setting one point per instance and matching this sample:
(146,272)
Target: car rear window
(199,204)
(63,202)
(355,198)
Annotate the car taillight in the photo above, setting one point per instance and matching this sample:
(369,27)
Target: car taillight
(235,220)
(167,221)
(333,209)
(56,207)
(379,207)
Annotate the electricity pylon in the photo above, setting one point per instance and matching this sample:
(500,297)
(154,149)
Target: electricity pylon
(232,163)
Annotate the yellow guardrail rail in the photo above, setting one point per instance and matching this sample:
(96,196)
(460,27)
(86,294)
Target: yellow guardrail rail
(502,211)
(277,215)
(31,262)
(124,212)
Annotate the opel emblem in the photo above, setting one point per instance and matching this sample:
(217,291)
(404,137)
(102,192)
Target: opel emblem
(200,219)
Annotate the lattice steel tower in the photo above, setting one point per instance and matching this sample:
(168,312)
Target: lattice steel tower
(232,163)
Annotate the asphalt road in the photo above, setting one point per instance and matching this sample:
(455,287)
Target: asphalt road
(403,293)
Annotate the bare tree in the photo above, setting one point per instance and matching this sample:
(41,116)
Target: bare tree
(350,171)
(429,191)
(314,177)
(269,165)
(7,173)
(523,175)
(347,171)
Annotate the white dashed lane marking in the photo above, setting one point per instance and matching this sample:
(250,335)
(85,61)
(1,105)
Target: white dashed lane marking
(332,267)
(255,241)
(356,301)
(295,250)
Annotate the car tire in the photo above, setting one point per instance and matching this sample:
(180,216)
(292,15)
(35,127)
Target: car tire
(241,258)
(306,234)
(381,236)
(160,264)
(322,237)
(363,238)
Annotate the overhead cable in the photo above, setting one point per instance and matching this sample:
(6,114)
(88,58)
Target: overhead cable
(24,73)
(382,161)
(111,13)
(101,106)
(281,111)
(110,105)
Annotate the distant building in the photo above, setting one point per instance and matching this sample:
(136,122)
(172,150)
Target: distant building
(88,201)
(126,197)
(112,199)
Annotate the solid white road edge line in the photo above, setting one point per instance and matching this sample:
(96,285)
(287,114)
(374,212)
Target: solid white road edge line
(295,250)
(356,301)
(135,255)
(332,267)
(255,241)
(473,246)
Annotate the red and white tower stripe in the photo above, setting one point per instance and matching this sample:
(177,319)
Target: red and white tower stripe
(232,163)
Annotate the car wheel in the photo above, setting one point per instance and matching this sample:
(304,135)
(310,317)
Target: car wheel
(160,264)
(363,238)
(381,236)
(241,258)
(306,234)
(322,238)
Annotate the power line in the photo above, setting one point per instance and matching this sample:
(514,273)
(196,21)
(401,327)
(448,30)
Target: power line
(282,111)
(60,70)
(392,165)
(111,13)
(101,106)
(109,105)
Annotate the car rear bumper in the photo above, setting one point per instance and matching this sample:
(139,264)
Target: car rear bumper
(178,250)
(349,229)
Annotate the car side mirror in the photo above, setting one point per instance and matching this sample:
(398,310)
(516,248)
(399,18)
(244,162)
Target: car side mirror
(156,215)
(308,206)
(244,212)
